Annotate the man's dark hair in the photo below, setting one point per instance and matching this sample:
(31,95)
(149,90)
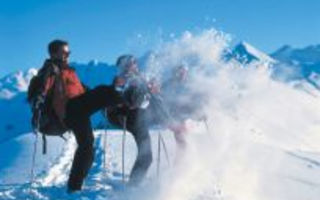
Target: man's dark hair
(55,45)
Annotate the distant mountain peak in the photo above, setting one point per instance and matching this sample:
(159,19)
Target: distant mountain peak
(309,55)
(16,82)
(315,48)
(246,53)
(93,62)
(285,47)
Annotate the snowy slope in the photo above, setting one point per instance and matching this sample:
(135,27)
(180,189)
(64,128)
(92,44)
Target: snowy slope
(51,181)
(16,154)
(15,116)
(272,170)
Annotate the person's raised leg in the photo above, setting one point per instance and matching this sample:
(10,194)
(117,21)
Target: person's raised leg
(93,100)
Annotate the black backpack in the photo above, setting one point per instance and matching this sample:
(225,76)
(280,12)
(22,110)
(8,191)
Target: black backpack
(44,119)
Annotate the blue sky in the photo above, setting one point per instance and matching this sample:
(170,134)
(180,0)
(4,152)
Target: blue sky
(103,29)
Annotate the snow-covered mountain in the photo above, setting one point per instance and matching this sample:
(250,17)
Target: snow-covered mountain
(304,61)
(95,72)
(309,55)
(288,64)
(246,53)
(15,83)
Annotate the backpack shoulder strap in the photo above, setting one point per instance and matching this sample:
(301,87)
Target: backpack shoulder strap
(49,69)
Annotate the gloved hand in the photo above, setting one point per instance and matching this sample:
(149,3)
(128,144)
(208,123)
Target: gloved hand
(145,103)
(38,102)
(119,84)
(37,106)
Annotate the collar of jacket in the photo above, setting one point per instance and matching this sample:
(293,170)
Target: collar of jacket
(60,64)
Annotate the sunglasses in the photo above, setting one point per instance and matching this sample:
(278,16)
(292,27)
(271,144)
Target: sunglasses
(66,53)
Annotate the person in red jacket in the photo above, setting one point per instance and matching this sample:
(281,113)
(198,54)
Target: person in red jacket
(73,105)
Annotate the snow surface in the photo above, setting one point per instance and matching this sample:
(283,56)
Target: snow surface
(250,164)
(52,170)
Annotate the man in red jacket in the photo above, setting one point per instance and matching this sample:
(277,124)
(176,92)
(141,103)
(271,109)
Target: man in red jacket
(73,105)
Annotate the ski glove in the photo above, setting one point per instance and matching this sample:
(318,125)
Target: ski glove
(38,102)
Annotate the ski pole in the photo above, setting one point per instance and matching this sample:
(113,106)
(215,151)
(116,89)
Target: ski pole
(159,155)
(33,163)
(165,149)
(34,153)
(105,139)
(206,124)
(123,147)
(205,121)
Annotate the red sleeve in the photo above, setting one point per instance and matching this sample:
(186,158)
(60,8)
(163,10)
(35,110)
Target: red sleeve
(48,85)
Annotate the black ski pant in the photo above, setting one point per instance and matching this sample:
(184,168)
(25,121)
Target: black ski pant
(136,123)
(78,112)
